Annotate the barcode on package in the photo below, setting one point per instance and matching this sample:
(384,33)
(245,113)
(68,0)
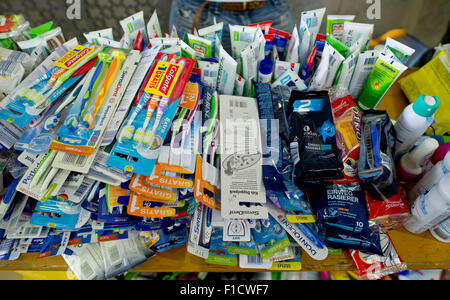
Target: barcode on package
(370,61)
(85,185)
(295,156)
(209,73)
(254,259)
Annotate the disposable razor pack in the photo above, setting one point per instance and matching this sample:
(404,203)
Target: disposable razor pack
(241,159)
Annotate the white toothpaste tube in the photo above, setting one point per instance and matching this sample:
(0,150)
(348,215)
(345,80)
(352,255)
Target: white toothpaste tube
(92,37)
(125,42)
(241,37)
(329,64)
(313,19)
(132,25)
(261,40)
(164,42)
(153,27)
(305,36)
(354,31)
(249,63)
(227,73)
(174,33)
(363,68)
(210,71)
(292,53)
(210,33)
(186,50)
(401,51)
(358,46)
(282,66)
(346,73)
(290,78)
(335,24)
(239,86)
(108,43)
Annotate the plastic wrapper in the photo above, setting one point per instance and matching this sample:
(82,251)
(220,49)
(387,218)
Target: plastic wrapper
(347,118)
(376,168)
(100,261)
(341,213)
(313,144)
(388,214)
(373,267)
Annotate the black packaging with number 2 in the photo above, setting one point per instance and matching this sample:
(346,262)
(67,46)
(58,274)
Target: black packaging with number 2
(313,144)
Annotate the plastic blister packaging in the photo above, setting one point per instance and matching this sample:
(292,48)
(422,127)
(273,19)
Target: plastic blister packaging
(376,168)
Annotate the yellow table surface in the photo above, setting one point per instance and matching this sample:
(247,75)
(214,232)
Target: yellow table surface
(420,252)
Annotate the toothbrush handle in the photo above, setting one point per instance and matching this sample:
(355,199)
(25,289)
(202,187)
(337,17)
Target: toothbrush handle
(112,72)
(94,83)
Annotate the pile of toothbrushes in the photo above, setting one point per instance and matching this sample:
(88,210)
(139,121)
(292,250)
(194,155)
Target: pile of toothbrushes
(251,156)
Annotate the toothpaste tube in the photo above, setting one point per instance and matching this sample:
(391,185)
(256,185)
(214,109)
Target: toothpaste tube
(282,66)
(269,44)
(92,37)
(202,47)
(227,72)
(265,26)
(313,20)
(384,74)
(305,36)
(335,25)
(401,51)
(249,63)
(153,27)
(338,45)
(241,37)
(346,73)
(133,25)
(328,67)
(291,79)
(239,86)
(210,33)
(280,41)
(293,47)
(363,68)
(354,31)
(210,71)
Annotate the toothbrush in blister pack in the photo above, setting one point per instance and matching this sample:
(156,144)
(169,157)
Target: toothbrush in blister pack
(33,99)
(137,150)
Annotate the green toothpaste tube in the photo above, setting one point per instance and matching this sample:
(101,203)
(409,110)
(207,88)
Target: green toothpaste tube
(386,71)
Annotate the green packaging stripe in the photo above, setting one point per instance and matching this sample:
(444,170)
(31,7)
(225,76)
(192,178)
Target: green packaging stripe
(242,251)
(275,248)
(222,260)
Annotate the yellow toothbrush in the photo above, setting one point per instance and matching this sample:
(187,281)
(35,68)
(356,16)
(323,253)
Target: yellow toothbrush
(89,119)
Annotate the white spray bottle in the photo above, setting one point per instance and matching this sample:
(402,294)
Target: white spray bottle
(414,121)
(431,208)
(431,178)
(412,164)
